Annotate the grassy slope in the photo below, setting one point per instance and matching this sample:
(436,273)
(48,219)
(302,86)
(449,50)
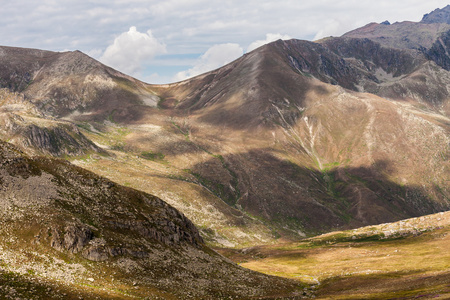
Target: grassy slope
(405,259)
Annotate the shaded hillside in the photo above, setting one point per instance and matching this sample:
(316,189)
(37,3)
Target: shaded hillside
(70,227)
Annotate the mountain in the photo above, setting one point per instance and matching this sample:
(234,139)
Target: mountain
(292,139)
(311,154)
(66,231)
(71,83)
(438,16)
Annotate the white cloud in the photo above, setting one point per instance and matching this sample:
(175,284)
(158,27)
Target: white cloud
(270,37)
(338,26)
(95,53)
(131,50)
(215,57)
(331,28)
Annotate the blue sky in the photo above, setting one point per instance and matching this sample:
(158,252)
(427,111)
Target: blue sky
(166,41)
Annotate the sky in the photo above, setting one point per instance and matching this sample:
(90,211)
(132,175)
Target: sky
(171,40)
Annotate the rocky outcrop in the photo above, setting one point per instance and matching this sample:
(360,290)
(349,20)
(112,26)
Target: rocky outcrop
(73,238)
(58,141)
(84,193)
(437,16)
(22,123)
(439,51)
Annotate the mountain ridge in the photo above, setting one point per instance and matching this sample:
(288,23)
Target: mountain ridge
(64,83)
(439,15)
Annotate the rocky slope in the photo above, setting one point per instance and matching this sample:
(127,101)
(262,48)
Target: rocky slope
(66,228)
(25,126)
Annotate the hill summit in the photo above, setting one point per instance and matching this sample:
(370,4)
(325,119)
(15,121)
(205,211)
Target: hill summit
(438,16)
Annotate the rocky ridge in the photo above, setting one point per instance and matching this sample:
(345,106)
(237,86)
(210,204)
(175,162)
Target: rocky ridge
(438,16)
(23,124)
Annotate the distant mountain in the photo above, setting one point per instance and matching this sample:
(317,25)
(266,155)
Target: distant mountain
(438,16)
(421,40)
(71,83)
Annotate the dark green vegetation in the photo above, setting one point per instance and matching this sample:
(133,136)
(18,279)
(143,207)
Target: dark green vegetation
(152,156)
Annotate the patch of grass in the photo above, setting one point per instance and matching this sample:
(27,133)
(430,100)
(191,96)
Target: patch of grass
(118,147)
(367,266)
(185,133)
(178,177)
(160,103)
(331,165)
(361,238)
(152,155)
(85,126)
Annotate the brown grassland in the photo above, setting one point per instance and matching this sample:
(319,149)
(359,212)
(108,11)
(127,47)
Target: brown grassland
(414,262)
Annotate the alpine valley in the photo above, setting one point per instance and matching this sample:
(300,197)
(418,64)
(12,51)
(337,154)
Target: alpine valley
(324,165)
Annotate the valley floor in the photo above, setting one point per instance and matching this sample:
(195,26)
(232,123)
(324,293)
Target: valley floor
(404,260)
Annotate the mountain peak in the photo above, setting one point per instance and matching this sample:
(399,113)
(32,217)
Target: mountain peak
(438,16)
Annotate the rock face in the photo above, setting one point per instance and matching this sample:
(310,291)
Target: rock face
(75,238)
(123,237)
(438,16)
(58,141)
(24,124)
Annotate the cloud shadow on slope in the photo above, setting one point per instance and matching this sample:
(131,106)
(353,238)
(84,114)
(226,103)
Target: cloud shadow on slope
(284,193)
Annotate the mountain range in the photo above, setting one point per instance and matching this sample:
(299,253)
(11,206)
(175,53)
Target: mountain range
(293,139)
